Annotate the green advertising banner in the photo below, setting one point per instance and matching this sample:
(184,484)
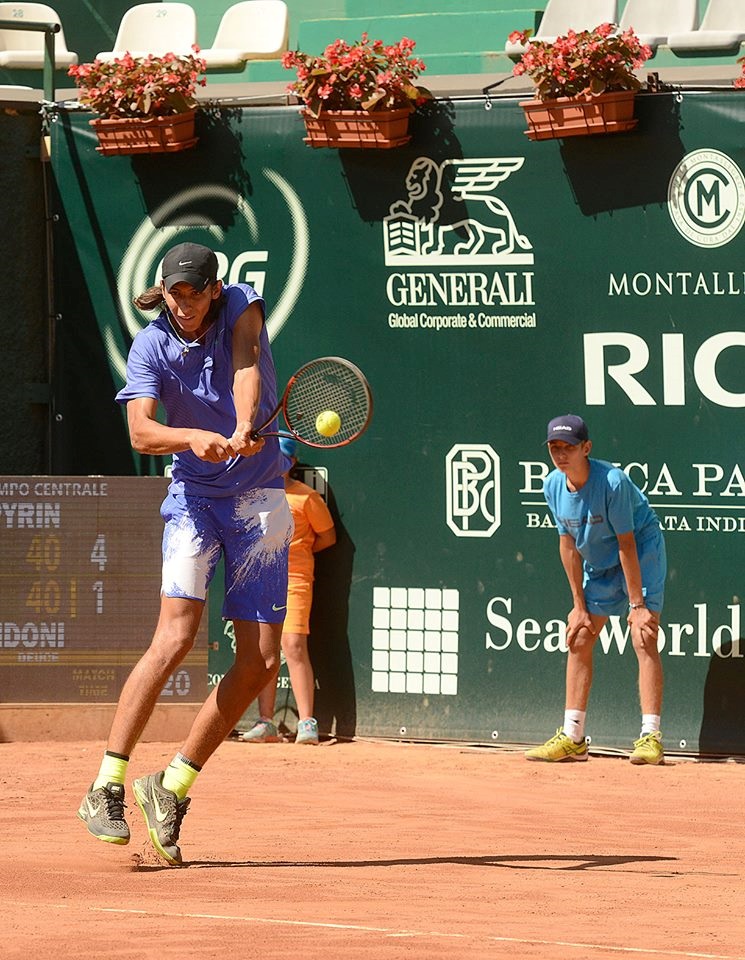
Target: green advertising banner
(484,283)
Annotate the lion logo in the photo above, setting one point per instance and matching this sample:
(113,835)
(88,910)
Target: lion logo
(417,231)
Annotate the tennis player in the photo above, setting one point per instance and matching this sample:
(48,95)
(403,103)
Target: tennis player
(206,359)
(314,531)
(613,554)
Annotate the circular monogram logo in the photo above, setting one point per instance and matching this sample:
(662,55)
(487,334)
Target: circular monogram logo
(706,198)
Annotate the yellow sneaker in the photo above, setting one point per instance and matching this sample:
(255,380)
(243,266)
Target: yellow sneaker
(648,749)
(560,747)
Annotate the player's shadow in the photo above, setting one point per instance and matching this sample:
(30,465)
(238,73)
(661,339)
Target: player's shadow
(328,641)
(543,861)
(723,719)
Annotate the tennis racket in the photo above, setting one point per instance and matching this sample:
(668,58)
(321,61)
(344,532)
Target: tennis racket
(327,403)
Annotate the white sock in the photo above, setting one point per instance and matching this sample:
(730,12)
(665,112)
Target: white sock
(574,724)
(650,723)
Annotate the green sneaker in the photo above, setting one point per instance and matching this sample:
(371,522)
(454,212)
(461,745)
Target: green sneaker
(307,731)
(648,749)
(102,811)
(163,813)
(559,748)
(263,731)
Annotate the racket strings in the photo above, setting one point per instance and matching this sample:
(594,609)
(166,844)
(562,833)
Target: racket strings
(327,385)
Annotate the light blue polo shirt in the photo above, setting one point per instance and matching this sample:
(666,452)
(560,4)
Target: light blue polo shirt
(196,390)
(609,504)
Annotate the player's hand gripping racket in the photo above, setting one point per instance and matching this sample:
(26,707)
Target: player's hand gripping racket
(327,403)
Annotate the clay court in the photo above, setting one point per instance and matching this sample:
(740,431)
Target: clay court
(379,850)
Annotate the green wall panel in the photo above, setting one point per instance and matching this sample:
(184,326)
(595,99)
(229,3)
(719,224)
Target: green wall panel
(484,283)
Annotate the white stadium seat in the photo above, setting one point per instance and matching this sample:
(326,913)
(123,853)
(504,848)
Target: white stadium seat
(156,29)
(722,30)
(563,15)
(24,49)
(251,30)
(653,21)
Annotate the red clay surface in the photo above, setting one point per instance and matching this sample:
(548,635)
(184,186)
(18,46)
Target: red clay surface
(377,850)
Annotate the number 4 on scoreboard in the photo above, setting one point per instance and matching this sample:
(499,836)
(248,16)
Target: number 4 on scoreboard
(98,553)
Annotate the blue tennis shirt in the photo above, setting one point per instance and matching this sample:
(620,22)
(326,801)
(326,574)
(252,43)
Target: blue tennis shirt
(196,390)
(609,504)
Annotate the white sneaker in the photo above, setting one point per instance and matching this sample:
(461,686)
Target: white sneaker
(307,731)
(263,731)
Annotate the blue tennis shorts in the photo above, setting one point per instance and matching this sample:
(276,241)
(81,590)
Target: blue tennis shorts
(252,531)
(605,590)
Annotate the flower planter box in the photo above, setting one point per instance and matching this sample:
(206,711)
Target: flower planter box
(580,116)
(136,135)
(380,130)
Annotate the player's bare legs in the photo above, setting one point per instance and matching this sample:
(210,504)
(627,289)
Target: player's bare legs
(256,658)
(162,796)
(644,636)
(268,697)
(579,665)
(256,662)
(102,808)
(302,678)
(173,639)
(295,648)
(569,743)
(650,670)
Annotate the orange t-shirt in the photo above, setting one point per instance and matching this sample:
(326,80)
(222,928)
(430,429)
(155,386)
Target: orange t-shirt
(311,516)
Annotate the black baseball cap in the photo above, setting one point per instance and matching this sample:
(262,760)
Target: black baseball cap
(569,428)
(189,263)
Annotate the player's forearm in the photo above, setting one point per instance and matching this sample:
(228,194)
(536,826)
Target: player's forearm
(246,375)
(246,395)
(324,540)
(156,438)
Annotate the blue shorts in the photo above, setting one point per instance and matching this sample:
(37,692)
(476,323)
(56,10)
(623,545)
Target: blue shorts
(605,590)
(252,531)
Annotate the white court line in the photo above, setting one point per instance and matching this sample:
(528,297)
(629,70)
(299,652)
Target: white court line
(524,941)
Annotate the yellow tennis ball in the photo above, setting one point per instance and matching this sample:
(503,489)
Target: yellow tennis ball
(328,422)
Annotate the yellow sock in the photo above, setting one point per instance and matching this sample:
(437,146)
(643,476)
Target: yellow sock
(113,769)
(180,775)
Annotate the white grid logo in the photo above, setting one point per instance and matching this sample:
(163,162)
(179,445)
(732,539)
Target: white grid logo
(415,640)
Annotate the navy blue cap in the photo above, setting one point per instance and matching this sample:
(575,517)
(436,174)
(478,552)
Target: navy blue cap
(189,263)
(569,428)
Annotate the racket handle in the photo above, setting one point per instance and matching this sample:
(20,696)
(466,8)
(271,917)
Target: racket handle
(261,434)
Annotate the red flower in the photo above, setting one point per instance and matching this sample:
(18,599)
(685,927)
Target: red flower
(364,74)
(588,61)
(140,86)
(740,81)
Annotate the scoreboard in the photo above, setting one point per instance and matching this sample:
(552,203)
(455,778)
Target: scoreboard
(80,568)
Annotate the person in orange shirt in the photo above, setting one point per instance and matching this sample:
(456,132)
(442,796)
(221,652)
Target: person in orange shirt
(314,531)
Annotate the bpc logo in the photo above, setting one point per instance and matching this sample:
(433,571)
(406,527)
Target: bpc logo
(472,490)
(706,198)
